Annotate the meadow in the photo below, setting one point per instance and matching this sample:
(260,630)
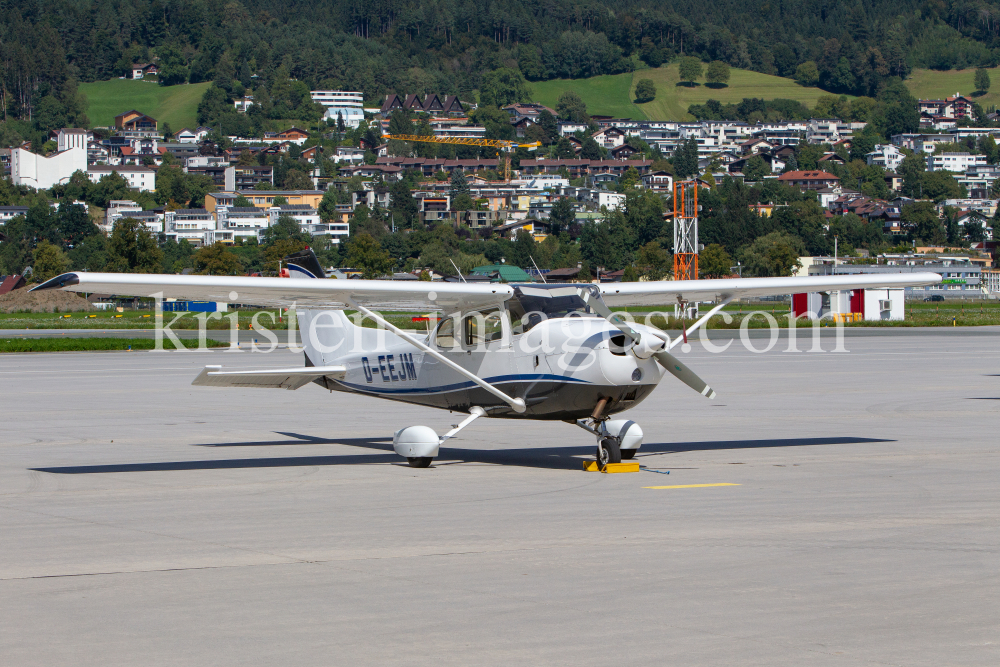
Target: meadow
(176,105)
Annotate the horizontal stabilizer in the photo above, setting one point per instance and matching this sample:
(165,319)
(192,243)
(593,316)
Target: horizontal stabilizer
(270,378)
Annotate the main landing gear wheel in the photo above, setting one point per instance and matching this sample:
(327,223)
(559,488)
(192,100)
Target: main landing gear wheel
(420,461)
(628,453)
(609,452)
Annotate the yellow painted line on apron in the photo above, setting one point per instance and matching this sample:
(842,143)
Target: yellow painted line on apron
(689,486)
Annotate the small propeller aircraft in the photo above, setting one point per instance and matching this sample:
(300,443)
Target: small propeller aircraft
(512,351)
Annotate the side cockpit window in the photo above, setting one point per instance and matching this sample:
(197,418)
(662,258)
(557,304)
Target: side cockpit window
(446,334)
(483,327)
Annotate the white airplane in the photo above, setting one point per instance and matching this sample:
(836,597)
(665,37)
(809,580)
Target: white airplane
(517,351)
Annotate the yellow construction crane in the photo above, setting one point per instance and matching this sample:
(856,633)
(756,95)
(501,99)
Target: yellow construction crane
(502,144)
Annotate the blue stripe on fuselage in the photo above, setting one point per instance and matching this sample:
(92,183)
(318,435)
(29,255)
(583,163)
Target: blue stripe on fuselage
(499,379)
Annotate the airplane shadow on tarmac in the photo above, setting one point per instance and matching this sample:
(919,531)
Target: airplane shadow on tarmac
(531,457)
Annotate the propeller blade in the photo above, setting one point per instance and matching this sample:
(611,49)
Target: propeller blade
(674,366)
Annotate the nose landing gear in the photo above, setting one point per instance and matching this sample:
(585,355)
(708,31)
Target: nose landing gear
(609,451)
(616,439)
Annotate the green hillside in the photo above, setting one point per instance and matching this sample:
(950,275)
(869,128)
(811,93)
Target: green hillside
(612,95)
(605,95)
(176,105)
(672,100)
(929,84)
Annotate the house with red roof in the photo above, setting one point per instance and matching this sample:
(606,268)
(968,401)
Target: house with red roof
(809,180)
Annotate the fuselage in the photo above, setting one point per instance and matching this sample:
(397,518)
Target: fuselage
(562,367)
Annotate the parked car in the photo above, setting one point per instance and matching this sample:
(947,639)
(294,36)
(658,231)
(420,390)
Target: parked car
(934,297)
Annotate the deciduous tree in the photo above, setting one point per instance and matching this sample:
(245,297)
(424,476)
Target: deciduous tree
(572,107)
(717,73)
(217,260)
(982,80)
(364,252)
(645,91)
(690,69)
(50,261)
(503,86)
(776,254)
(132,248)
(715,262)
(653,261)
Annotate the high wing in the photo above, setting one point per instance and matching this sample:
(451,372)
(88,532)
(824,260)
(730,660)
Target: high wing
(450,297)
(375,294)
(660,292)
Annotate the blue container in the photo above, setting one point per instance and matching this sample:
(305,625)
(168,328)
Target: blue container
(189,306)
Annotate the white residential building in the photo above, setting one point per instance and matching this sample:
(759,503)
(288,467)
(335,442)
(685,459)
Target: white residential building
(975,132)
(921,143)
(830,130)
(11,212)
(242,221)
(658,181)
(456,128)
(138,177)
(198,161)
(350,155)
(243,105)
(40,172)
(195,136)
(539,182)
(780,133)
(345,103)
(886,156)
(123,208)
(196,226)
(117,209)
(958,163)
(727,132)
(607,199)
(305,215)
(609,138)
(980,179)
(566,128)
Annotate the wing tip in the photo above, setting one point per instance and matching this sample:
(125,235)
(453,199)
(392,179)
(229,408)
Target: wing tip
(59,282)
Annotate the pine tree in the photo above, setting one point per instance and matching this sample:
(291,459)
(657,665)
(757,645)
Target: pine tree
(459,186)
(686,159)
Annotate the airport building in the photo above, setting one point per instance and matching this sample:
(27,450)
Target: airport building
(960,277)
(852,305)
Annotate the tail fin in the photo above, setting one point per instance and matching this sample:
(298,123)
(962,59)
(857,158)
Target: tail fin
(303,264)
(333,336)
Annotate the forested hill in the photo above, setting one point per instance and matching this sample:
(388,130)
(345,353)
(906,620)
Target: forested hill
(446,46)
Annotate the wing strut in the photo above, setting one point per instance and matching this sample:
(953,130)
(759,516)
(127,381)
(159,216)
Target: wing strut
(517,404)
(701,320)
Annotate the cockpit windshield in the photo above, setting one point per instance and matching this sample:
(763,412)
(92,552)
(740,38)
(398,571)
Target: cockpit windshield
(531,305)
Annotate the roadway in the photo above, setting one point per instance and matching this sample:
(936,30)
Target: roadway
(146,521)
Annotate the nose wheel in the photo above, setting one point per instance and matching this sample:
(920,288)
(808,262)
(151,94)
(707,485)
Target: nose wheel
(617,440)
(609,451)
